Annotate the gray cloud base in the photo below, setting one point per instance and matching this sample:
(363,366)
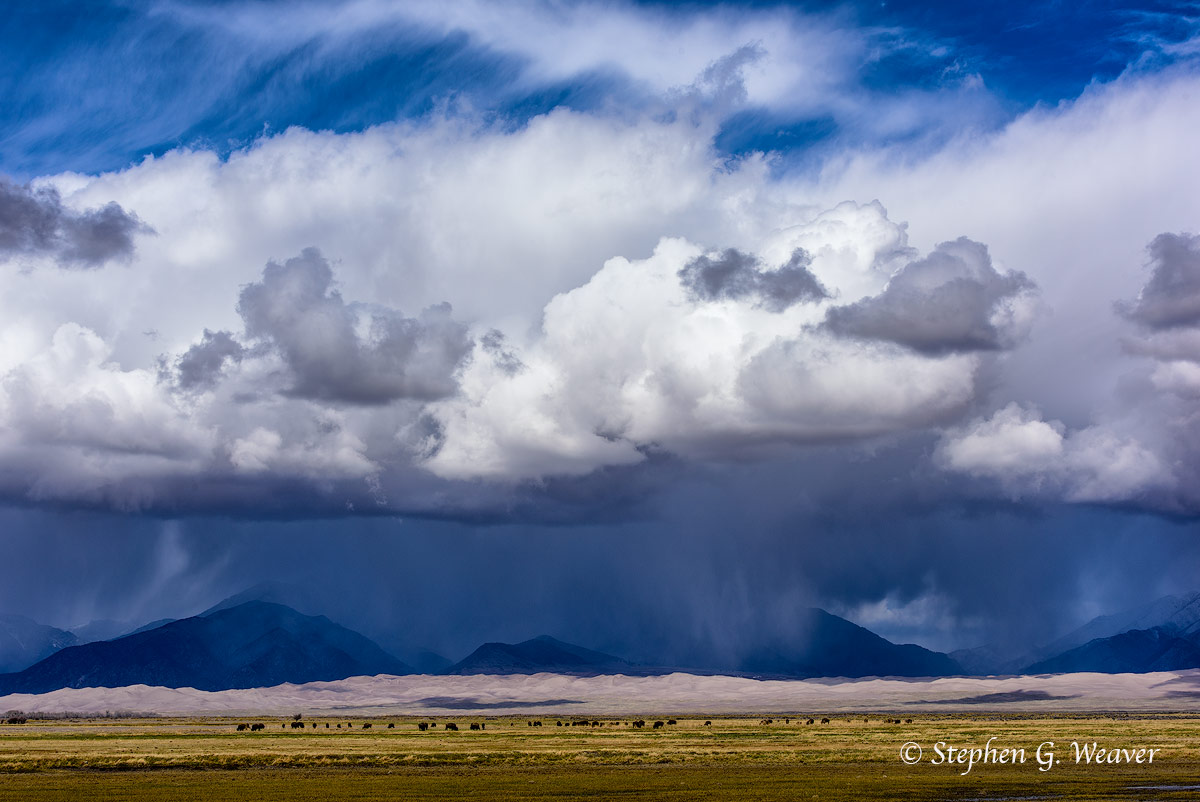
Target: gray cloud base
(1171,297)
(944,303)
(733,275)
(34,222)
(200,366)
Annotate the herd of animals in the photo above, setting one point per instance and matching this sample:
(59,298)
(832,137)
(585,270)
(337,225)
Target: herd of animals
(297,724)
(451,726)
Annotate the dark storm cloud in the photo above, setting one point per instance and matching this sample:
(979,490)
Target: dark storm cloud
(295,310)
(200,366)
(34,222)
(944,303)
(675,588)
(733,275)
(1171,298)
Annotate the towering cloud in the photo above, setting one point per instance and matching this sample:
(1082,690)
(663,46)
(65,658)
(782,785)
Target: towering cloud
(712,356)
(461,318)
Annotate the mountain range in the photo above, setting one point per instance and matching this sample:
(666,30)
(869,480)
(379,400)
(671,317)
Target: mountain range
(244,643)
(1161,635)
(254,640)
(254,644)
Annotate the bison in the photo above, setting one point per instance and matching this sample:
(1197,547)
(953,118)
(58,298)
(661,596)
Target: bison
(450,725)
(658,725)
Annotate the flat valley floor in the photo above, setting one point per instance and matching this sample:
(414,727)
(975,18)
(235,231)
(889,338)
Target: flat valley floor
(852,757)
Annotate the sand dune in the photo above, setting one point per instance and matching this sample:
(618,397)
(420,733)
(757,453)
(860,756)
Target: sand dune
(618,694)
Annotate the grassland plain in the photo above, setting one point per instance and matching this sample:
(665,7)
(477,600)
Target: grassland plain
(850,757)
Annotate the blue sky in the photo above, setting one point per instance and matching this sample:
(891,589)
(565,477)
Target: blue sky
(757,305)
(97,90)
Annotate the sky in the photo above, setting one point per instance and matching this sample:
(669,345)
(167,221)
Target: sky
(642,325)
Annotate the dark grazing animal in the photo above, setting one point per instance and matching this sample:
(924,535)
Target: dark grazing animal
(452,726)
(422,726)
(658,725)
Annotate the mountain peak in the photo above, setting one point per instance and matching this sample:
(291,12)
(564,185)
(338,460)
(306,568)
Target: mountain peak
(542,653)
(252,644)
(825,645)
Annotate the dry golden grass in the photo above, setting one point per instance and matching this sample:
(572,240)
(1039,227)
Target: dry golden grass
(733,758)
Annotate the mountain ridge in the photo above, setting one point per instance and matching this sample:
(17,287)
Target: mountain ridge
(255,644)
